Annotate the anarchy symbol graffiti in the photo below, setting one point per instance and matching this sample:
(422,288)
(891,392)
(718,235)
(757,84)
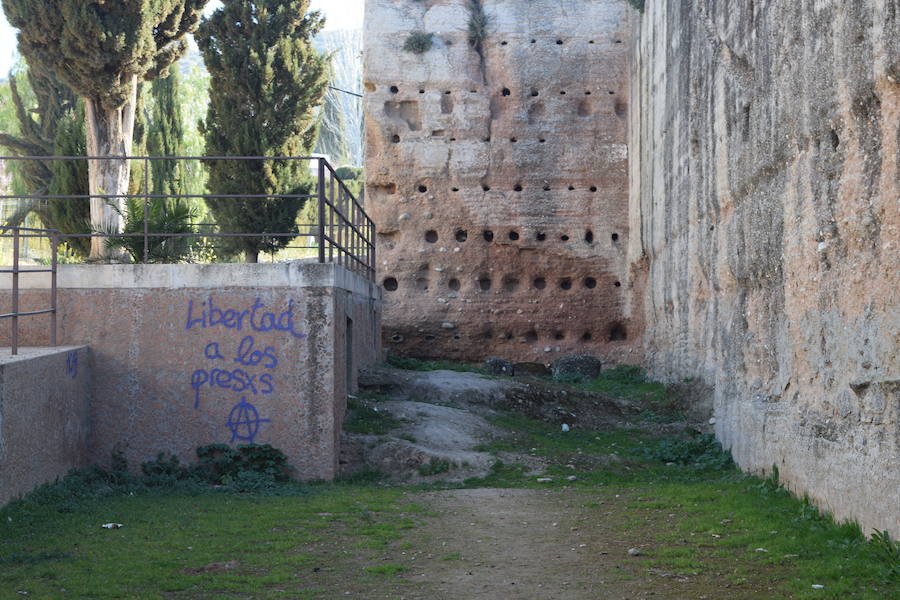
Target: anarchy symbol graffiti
(244,421)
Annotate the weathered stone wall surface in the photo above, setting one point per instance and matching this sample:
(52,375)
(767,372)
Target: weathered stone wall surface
(45,398)
(189,355)
(498,182)
(766,194)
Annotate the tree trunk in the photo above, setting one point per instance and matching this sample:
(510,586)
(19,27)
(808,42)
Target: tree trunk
(109,133)
(251,256)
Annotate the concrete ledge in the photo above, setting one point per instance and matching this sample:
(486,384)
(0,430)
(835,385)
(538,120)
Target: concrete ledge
(295,274)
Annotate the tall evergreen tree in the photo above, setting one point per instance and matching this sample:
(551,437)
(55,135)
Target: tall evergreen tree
(166,134)
(70,178)
(101,50)
(266,81)
(54,127)
(332,139)
(38,126)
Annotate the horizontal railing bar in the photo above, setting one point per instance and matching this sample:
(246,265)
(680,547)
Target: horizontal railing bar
(27,314)
(128,157)
(352,229)
(151,196)
(17,228)
(140,235)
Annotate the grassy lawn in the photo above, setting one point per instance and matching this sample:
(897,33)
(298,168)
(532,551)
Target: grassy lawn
(203,545)
(250,535)
(701,514)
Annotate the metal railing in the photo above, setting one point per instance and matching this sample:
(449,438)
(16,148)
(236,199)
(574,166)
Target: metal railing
(16,270)
(341,233)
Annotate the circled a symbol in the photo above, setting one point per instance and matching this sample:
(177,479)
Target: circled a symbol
(244,421)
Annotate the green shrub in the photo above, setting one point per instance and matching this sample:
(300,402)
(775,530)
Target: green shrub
(347,173)
(419,42)
(701,451)
(164,471)
(253,481)
(628,381)
(220,463)
(637,4)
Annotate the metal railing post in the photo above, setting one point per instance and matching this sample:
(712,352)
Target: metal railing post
(14,334)
(146,210)
(321,194)
(54,243)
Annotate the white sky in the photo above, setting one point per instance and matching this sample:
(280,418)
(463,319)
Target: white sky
(341,14)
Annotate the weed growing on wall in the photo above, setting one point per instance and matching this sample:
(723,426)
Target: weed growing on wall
(479,23)
(637,4)
(419,42)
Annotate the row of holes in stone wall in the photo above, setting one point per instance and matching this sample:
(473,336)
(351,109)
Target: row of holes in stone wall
(461,235)
(557,41)
(503,92)
(615,332)
(423,189)
(508,283)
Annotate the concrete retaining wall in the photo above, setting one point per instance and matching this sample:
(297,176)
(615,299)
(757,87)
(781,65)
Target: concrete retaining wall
(188,355)
(44,416)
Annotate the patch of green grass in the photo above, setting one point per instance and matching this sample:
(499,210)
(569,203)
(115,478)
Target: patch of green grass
(889,552)
(387,570)
(435,466)
(366,418)
(414,364)
(453,556)
(720,516)
(500,475)
(628,381)
(170,540)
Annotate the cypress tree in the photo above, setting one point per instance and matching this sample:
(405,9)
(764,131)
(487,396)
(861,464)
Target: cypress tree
(57,128)
(166,134)
(37,134)
(266,82)
(70,178)
(101,50)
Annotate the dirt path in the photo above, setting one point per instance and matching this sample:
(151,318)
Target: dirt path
(537,544)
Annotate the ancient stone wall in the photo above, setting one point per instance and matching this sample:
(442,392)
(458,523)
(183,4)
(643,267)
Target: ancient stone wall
(764,182)
(497,176)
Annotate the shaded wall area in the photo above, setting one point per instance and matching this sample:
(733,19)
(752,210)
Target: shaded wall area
(45,406)
(764,189)
(189,355)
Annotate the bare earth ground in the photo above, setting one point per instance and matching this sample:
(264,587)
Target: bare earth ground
(527,544)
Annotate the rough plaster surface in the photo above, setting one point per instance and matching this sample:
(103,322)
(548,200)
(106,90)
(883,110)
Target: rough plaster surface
(528,143)
(169,379)
(45,398)
(765,202)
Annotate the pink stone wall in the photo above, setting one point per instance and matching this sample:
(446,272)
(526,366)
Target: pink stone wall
(499,182)
(44,416)
(216,354)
